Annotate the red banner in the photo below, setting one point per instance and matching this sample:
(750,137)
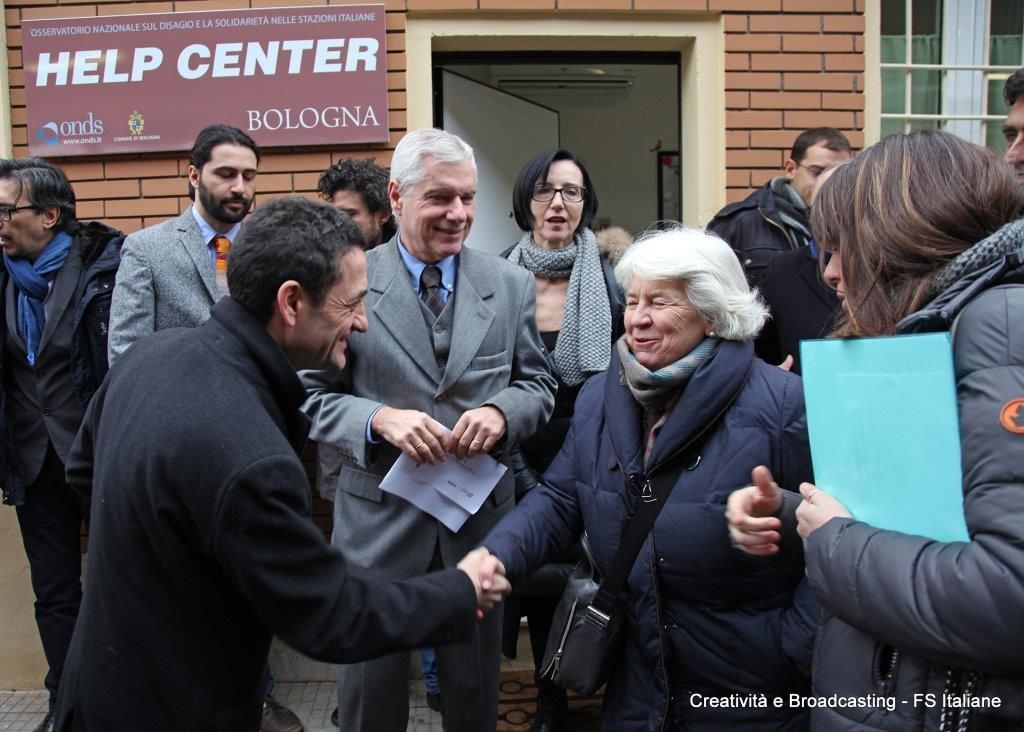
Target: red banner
(141,83)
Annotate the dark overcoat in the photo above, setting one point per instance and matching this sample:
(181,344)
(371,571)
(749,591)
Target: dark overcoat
(202,547)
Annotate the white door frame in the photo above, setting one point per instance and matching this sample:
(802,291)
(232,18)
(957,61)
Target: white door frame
(699,40)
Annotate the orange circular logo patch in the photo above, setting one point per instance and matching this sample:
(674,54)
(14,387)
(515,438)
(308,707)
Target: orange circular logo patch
(1012,416)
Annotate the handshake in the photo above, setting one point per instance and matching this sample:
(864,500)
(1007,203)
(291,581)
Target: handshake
(487,574)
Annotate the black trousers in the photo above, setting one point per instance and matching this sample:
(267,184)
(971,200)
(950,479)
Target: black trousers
(50,521)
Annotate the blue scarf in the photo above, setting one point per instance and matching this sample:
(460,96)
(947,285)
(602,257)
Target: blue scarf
(32,281)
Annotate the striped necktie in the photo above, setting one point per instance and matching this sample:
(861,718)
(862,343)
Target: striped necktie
(430,289)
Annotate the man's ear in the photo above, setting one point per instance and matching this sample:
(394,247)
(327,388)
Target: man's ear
(51,216)
(193,175)
(290,302)
(383,216)
(790,167)
(396,198)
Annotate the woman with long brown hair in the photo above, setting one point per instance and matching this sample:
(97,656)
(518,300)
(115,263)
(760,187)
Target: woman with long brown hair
(925,234)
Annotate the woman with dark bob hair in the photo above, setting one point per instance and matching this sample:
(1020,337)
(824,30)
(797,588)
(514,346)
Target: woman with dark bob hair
(579,316)
(926,235)
(710,636)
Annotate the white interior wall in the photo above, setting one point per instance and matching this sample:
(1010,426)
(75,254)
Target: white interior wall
(614,134)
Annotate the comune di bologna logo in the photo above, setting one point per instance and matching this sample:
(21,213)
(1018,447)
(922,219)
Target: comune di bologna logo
(52,132)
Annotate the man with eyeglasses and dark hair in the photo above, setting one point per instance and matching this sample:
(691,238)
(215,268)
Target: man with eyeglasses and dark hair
(55,285)
(775,218)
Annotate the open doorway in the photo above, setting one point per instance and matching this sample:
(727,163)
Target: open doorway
(618,112)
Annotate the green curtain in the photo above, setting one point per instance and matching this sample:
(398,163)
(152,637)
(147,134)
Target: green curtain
(925,85)
(1003,51)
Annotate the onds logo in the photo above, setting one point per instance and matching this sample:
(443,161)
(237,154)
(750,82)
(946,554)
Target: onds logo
(71,132)
(48,133)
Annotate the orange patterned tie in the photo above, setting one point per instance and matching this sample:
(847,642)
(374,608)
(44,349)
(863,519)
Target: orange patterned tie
(221,245)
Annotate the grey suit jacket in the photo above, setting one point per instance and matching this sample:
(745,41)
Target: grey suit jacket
(495,358)
(165,281)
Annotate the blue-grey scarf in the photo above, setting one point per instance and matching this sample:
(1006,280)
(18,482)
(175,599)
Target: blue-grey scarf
(32,280)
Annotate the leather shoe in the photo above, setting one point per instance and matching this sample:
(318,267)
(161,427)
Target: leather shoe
(334,717)
(434,701)
(47,724)
(278,718)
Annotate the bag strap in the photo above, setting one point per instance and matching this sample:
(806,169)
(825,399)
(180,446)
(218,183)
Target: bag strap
(654,491)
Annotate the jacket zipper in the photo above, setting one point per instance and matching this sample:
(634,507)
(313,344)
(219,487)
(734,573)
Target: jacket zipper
(792,245)
(885,667)
(645,482)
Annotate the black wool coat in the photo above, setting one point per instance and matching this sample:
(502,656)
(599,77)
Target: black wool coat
(803,307)
(202,546)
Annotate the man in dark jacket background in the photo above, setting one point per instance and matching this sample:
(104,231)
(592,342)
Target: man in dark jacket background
(774,218)
(55,287)
(202,542)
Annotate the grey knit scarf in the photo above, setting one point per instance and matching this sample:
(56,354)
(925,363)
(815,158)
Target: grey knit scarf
(657,391)
(584,342)
(1006,240)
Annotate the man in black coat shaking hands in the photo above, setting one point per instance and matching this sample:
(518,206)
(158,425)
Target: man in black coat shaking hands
(202,547)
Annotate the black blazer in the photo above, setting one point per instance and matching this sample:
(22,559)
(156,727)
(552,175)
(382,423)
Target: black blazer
(202,545)
(802,305)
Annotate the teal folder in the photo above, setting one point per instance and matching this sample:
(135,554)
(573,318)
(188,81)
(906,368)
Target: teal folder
(884,430)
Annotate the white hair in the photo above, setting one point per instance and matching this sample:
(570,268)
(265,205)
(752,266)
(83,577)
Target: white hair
(708,269)
(411,153)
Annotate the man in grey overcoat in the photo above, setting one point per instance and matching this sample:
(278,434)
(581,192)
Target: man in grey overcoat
(452,345)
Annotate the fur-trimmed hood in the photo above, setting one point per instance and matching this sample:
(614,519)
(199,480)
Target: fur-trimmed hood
(613,242)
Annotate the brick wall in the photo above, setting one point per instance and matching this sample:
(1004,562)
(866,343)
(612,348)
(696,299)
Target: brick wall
(789,65)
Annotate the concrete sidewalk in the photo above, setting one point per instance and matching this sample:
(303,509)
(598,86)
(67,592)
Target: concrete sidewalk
(22,711)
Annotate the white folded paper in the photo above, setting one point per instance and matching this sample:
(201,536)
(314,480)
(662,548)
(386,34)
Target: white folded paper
(451,491)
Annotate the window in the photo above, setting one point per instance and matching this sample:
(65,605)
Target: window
(948,71)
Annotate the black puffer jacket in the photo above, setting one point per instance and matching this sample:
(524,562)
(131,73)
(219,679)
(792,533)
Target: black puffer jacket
(765,223)
(100,246)
(912,618)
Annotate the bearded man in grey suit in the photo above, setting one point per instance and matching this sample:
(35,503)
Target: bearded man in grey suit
(171,274)
(452,344)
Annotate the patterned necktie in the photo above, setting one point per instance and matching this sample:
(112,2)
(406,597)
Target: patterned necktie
(430,289)
(221,246)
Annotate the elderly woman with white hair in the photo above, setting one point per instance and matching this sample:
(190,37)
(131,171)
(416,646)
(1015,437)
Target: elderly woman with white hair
(712,637)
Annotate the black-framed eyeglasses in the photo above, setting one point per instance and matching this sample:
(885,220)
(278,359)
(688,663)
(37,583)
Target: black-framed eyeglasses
(570,194)
(814,170)
(7,211)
